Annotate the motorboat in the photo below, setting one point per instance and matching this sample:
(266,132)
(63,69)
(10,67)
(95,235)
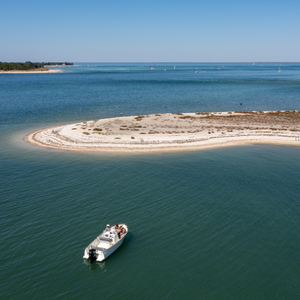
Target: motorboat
(106,243)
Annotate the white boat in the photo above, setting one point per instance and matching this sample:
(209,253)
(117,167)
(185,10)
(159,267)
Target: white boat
(197,72)
(279,71)
(105,244)
(152,68)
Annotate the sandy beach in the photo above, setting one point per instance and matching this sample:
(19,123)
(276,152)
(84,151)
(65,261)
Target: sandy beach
(33,71)
(173,131)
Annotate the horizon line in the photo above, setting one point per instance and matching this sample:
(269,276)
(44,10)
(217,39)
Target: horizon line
(163,62)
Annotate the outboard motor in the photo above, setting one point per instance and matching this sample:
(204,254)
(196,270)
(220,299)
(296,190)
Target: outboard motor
(92,255)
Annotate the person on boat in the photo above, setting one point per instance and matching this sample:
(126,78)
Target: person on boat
(113,230)
(118,229)
(123,232)
(107,227)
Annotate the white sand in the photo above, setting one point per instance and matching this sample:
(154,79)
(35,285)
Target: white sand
(32,71)
(172,132)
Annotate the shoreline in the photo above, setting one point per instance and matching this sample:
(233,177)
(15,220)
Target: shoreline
(32,71)
(172,132)
(34,142)
(155,133)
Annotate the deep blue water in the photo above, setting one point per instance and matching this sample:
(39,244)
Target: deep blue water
(208,224)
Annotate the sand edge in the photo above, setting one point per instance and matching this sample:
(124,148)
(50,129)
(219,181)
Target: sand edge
(155,143)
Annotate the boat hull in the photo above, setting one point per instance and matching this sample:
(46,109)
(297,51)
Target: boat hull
(105,254)
(102,253)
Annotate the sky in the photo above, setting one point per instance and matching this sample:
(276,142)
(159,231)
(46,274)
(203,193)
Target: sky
(150,31)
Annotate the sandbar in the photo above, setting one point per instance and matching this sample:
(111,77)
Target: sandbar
(173,131)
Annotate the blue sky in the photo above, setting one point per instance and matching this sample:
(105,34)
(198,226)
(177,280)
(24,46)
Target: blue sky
(150,31)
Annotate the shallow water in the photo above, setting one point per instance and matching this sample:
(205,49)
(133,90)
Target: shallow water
(210,224)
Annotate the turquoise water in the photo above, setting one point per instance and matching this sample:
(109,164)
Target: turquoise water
(211,224)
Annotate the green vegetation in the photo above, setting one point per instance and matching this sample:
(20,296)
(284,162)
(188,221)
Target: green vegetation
(139,118)
(28,65)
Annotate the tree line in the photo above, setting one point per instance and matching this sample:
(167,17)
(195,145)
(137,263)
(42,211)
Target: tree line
(28,65)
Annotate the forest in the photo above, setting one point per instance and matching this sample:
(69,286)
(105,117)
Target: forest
(28,65)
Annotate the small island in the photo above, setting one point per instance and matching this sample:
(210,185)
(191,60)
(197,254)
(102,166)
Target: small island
(173,131)
(30,67)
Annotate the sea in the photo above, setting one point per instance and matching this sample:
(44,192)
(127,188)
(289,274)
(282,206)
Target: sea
(220,223)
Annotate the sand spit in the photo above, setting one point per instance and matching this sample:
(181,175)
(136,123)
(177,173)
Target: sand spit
(38,71)
(173,131)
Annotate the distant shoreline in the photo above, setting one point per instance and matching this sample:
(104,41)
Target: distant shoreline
(173,132)
(32,71)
